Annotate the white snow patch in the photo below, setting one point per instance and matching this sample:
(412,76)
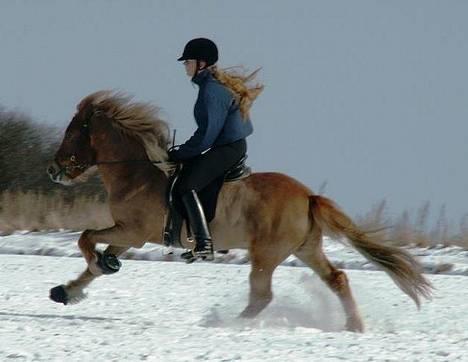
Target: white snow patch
(449,260)
(158,311)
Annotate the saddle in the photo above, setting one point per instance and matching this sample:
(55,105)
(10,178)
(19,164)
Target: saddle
(239,171)
(208,198)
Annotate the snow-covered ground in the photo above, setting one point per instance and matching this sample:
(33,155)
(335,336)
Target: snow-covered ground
(170,311)
(438,260)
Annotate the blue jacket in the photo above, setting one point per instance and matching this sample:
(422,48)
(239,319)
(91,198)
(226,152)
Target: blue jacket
(217,116)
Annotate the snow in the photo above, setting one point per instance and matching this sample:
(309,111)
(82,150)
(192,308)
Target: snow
(438,260)
(171,311)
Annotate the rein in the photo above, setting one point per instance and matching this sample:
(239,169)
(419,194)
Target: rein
(124,161)
(66,169)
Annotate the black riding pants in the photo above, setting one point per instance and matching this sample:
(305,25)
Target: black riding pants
(205,173)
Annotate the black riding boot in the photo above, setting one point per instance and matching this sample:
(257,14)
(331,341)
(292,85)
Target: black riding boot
(199,227)
(173,227)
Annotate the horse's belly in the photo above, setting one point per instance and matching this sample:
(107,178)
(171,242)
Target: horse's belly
(229,237)
(223,237)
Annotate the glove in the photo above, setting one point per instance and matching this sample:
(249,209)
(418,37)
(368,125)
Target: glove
(169,168)
(172,155)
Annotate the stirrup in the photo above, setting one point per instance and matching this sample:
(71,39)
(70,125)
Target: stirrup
(203,250)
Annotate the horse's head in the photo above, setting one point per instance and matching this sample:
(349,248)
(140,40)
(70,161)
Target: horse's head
(109,128)
(76,156)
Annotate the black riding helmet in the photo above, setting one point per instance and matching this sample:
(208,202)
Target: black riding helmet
(201,49)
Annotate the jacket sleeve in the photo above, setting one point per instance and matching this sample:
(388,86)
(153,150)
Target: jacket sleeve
(216,109)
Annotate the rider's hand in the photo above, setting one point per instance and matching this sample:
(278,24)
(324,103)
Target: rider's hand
(172,155)
(169,167)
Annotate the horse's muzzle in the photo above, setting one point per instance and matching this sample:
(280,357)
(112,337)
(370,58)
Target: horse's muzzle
(54,171)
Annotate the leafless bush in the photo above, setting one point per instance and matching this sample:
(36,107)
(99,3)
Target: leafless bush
(26,148)
(28,199)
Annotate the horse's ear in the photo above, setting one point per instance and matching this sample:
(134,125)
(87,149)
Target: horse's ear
(100,127)
(96,117)
(98,113)
(95,125)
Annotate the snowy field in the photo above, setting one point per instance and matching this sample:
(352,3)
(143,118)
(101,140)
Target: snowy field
(438,260)
(170,311)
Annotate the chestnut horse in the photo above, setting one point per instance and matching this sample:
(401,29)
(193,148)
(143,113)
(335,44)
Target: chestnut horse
(270,214)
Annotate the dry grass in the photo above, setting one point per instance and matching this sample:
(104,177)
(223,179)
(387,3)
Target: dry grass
(414,230)
(39,211)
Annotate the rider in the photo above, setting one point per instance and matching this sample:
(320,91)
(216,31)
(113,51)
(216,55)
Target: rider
(221,114)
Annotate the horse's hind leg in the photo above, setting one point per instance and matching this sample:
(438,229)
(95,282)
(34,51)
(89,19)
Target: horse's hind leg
(72,292)
(312,255)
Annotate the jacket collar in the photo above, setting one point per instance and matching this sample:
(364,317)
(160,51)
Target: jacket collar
(201,77)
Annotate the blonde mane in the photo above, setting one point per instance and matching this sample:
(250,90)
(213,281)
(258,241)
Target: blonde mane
(137,120)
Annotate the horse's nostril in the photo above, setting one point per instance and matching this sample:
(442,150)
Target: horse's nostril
(51,170)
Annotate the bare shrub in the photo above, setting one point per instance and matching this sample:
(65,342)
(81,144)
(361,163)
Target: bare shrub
(26,148)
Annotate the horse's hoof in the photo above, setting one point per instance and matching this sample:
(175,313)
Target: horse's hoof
(59,295)
(249,313)
(356,326)
(108,263)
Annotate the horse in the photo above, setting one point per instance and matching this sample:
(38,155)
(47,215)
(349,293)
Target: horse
(270,214)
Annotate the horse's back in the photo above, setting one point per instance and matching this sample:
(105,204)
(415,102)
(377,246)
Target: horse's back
(274,182)
(264,203)
(266,188)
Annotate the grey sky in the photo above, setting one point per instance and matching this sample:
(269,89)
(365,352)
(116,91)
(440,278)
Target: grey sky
(371,96)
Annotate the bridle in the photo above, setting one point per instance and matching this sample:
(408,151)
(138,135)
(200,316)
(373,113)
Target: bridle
(65,170)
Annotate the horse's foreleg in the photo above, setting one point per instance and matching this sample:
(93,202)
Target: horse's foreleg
(260,291)
(116,236)
(87,248)
(72,292)
(264,262)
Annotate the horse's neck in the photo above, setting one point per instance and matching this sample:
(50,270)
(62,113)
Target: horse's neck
(122,179)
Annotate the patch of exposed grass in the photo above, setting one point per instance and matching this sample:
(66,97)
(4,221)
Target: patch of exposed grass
(415,230)
(40,211)
(52,211)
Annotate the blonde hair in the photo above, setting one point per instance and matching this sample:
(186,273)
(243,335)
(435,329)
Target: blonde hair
(236,80)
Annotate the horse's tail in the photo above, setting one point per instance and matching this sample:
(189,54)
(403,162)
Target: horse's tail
(397,263)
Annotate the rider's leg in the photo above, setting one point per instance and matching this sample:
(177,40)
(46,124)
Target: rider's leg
(195,176)
(199,227)
(173,227)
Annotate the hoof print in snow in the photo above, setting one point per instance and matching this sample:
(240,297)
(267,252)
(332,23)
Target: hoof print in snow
(59,295)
